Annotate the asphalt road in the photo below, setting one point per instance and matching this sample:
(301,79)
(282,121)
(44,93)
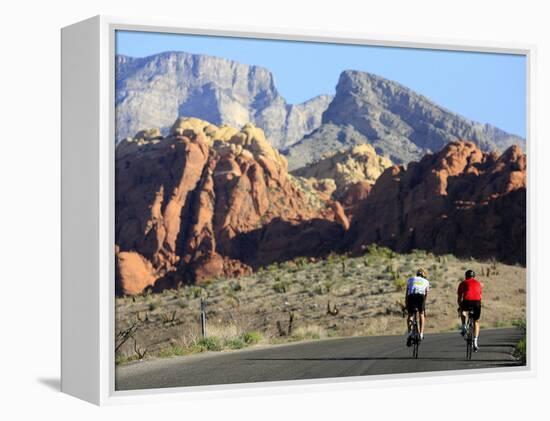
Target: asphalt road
(321,359)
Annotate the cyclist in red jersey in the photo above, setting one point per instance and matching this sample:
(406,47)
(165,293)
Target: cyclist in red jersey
(469,298)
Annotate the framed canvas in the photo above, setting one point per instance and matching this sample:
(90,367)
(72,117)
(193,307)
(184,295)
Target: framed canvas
(250,209)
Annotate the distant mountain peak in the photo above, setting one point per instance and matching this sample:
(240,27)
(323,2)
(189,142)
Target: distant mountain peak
(152,91)
(399,122)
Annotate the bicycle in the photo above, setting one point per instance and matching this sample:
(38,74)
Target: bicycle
(415,336)
(470,335)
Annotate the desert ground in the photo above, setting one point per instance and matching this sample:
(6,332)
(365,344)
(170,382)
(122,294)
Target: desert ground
(307,299)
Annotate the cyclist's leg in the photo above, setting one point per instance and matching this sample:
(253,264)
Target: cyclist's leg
(422,315)
(463,315)
(410,314)
(477,315)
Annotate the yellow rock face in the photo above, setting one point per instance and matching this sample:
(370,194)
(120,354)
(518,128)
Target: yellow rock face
(358,164)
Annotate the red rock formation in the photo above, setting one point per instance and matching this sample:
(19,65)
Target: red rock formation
(206,202)
(459,201)
(353,197)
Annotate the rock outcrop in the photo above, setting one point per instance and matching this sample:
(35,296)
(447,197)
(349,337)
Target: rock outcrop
(397,121)
(461,201)
(154,91)
(208,201)
(346,167)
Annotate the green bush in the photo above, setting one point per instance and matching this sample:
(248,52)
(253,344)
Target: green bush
(251,338)
(193,292)
(235,286)
(521,350)
(400,284)
(322,288)
(235,343)
(301,261)
(154,304)
(281,286)
(210,343)
(175,350)
(520,324)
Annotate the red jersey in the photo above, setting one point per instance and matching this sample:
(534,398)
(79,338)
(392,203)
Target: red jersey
(470,290)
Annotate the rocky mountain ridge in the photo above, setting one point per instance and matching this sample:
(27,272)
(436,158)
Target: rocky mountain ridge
(400,123)
(155,90)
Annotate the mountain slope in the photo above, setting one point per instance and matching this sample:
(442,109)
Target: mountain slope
(397,121)
(154,91)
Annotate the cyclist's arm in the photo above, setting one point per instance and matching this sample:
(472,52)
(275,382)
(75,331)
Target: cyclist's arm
(459,294)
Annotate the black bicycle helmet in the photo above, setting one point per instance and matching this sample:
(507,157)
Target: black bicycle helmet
(469,274)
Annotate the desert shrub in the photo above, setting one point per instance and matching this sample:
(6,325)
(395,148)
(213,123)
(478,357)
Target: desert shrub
(301,261)
(520,324)
(380,251)
(322,288)
(309,332)
(400,284)
(193,292)
(281,286)
(210,343)
(174,350)
(251,338)
(154,304)
(235,343)
(235,286)
(272,268)
(521,350)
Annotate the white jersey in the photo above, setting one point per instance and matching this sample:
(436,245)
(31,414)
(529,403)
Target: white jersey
(417,285)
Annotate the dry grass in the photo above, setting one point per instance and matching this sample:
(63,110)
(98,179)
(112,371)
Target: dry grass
(365,295)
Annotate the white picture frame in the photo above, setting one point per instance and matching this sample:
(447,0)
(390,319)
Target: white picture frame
(88,127)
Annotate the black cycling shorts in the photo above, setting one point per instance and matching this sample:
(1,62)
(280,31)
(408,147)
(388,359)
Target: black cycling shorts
(416,301)
(474,305)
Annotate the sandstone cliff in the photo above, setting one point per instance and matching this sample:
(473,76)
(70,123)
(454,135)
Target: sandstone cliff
(460,200)
(209,201)
(358,164)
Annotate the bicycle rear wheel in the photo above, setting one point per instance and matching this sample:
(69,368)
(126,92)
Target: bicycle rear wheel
(416,336)
(470,340)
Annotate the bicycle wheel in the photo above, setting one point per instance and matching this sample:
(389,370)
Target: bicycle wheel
(416,336)
(470,341)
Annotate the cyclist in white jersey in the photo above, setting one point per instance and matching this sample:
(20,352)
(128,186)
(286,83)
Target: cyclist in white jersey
(415,298)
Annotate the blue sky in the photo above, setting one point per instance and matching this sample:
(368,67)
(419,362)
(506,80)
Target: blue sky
(489,88)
